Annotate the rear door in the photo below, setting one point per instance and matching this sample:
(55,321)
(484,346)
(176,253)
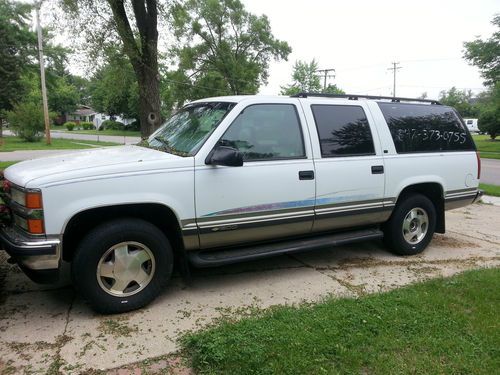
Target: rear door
(349,165)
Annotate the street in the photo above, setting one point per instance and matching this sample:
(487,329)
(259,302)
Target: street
(490,171)
(51,327)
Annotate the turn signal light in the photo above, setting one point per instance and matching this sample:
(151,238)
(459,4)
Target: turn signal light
(35,226)
(33,200)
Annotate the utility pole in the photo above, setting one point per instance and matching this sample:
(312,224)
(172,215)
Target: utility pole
(326,75)
(38,5)
(394,68)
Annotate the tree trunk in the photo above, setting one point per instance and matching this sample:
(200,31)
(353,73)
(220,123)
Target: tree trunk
(149,101)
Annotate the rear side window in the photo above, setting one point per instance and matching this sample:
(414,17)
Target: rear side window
(425,128)
(343,130)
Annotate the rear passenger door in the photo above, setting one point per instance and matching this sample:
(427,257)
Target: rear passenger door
(349,165)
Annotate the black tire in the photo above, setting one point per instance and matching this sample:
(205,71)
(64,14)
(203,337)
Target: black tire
(96,243)
(393,229)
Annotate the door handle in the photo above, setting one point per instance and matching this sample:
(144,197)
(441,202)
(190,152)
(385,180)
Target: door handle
(377,169)
(306,175)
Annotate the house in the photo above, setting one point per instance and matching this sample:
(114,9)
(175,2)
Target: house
(84,113)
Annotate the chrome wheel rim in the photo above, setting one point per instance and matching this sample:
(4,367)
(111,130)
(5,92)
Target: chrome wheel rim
(125,269)
(415,225)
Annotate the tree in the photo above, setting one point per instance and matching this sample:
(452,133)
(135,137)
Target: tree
(133,25)
(485,54)
(460,100)
(333,89)
(224,49)
(489,122)
(304,78)
(114,88)
(26,120)
(16,51)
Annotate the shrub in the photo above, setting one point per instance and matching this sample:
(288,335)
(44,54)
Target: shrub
(112,125)
(26,121)
(87,125)
(70,125)
(489,122)
(133,126)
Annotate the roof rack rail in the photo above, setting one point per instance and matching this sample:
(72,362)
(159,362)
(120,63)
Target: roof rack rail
(355,97)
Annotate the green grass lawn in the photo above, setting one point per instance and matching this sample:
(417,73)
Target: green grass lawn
(444,326)
(15,143)
(490,189)
(126,133)
(487,147)
(5,164)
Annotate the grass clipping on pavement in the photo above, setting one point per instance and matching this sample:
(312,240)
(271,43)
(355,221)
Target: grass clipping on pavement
(440,326)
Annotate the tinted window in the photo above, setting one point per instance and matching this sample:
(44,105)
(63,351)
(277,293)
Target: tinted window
(343,130)
(469,122)
(266,131)
(425,128)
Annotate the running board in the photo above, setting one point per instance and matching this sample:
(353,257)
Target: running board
(213,258)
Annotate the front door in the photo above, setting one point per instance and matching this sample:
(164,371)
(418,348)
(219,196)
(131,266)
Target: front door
(272,195)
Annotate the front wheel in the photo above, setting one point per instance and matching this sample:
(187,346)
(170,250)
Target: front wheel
(122,265)
(411,226)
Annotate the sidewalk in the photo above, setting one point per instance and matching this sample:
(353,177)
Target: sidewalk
(489,199)
(90,137)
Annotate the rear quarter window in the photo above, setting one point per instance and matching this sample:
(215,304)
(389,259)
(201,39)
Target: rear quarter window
(426,128)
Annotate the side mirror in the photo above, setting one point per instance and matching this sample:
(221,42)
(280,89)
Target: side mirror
(224,155)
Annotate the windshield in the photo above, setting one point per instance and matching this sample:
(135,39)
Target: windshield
(185,132)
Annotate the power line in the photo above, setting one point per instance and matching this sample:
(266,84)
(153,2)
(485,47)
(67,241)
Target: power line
(394,68)
(326,75)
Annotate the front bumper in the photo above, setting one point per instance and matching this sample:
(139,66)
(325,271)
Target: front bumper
(39,258)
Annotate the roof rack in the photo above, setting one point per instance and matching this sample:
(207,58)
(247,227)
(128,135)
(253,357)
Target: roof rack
(356,97)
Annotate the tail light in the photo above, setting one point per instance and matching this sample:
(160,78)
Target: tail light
(478,165)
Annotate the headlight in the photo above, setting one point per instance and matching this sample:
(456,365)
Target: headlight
(30,199)
(28,213)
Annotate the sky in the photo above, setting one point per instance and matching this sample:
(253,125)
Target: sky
(360,39)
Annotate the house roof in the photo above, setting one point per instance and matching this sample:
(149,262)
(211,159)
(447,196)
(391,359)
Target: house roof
(83,110)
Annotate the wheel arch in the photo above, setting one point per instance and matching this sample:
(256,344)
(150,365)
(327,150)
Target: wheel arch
(432,190)
(162,216)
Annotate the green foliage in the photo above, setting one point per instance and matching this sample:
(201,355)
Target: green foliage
(305,78)
(17,48)
(333,89)
(443,326)
(112,125)
(489,122)
(26,121)
(460,100)
(70,125)
(485,54)
(62,96)
(114,88)
(87,125)
(133,126)
(229,50)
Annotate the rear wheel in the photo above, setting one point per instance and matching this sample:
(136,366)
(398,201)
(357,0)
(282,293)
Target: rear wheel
(122,265)
(411,226)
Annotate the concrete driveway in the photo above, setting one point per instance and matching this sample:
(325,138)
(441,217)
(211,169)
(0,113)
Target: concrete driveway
(45,329)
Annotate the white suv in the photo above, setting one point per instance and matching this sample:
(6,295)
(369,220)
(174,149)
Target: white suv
(236,178)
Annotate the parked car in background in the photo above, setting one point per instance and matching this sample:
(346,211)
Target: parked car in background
(237,178)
